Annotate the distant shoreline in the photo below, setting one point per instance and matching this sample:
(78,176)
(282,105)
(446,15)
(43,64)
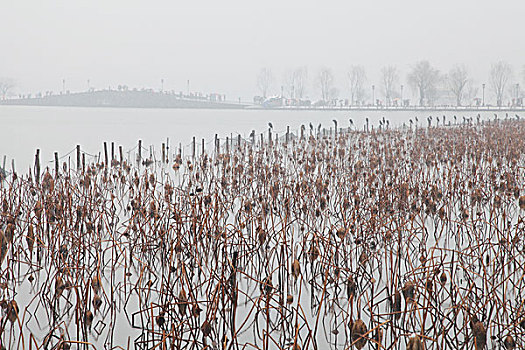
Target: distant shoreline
(257,108)
(158,100)
(123,99)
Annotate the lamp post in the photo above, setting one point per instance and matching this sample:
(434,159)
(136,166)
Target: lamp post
(401,95)
(63,86)
(517,92)
(373,95)
(161,85)
(483,102)
(88,85)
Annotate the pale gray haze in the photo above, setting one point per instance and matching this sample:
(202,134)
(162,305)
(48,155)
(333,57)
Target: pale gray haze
(222,45)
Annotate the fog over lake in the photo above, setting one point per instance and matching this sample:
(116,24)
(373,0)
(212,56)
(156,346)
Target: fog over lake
(60,129)
(338,175)
(221,45)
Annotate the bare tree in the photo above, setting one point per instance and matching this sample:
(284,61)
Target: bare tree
(500,74)
(289,83)
(424,79)
(471,91)
(6,84)
(264,81)
(325,81)
(389,79)
(357,79)
(300,79)
(294,82)
(523,74)
(458,80)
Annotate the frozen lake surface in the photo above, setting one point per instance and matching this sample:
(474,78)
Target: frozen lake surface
(60,129)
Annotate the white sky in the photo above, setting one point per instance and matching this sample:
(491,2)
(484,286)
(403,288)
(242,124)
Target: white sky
(221,45)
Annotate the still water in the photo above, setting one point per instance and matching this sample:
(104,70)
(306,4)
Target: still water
(60,129)
(24,129)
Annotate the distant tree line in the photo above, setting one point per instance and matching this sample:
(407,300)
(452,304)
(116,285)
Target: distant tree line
(6,85)
(425,81)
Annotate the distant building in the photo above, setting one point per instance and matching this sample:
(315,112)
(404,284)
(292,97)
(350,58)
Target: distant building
(215,97)
(273,102)
(258,100)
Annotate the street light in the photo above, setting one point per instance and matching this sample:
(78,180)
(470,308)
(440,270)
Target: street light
(517,92)
(483,85)
(373,95)
(402,95)
(161,85)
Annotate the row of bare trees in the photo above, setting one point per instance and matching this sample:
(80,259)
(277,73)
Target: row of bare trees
(426,81)
(6,85)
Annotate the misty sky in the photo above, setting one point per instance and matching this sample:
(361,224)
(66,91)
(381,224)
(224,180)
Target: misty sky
(221,45)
